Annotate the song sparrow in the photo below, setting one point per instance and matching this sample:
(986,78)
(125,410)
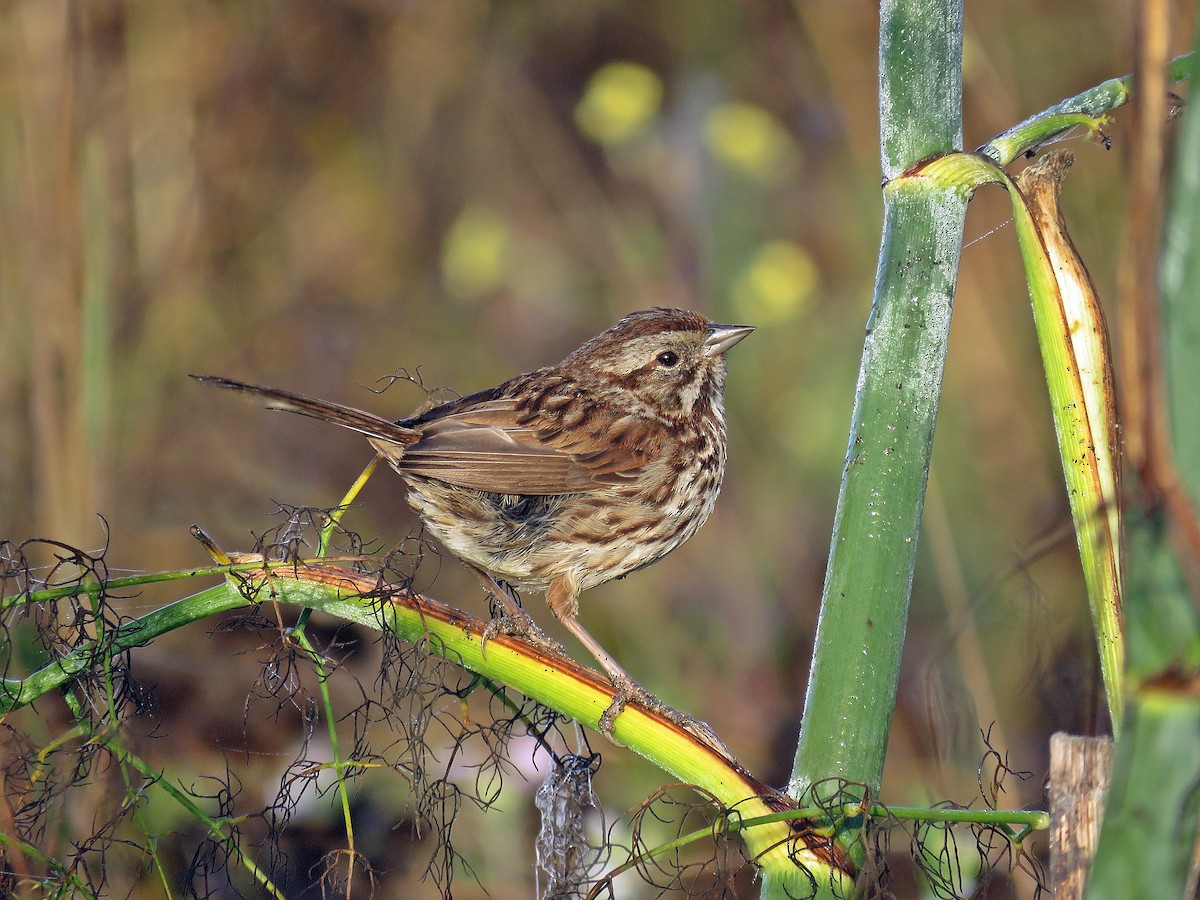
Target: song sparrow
(571,475)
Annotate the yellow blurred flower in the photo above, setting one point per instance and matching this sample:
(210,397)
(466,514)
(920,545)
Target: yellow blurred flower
(620,100)
(750,140)
(776,284)
(476,253)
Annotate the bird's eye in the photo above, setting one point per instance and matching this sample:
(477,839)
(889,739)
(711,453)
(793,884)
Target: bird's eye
(668,358)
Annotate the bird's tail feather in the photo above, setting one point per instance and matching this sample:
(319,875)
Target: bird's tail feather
(371,425)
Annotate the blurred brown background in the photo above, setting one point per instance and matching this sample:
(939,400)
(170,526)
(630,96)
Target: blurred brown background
(316,194)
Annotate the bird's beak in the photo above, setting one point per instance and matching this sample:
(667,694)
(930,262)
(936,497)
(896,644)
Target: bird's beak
(722,337)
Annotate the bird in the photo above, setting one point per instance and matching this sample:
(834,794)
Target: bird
(568,476)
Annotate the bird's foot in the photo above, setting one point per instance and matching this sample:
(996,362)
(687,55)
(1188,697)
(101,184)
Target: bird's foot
(626,689)
(521,626)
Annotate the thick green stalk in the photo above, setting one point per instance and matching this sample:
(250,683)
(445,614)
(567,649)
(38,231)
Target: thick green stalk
(864,609)
(920,81)
(864,606)
(852,684)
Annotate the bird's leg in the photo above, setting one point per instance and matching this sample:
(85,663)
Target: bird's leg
(510,604)
(563,601)
(512,618)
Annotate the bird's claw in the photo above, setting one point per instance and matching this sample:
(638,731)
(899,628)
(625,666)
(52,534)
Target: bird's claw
(608,718)
(524,628)
(626,690)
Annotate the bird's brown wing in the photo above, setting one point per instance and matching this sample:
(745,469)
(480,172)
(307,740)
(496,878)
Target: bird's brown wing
(487,446)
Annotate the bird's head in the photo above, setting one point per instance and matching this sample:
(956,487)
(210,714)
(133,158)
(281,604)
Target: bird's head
(671,360)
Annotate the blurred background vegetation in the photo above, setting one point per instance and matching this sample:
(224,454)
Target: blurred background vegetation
(317,194)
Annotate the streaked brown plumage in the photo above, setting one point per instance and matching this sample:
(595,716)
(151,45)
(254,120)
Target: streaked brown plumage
(571,475)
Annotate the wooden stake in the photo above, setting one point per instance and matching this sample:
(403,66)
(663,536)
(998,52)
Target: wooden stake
(1079,771)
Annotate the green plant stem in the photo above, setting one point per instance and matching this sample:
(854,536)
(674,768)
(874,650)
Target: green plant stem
(18,692)
(920,81)
(92,587)
(851,815)
(1082,109)
(52,865)
(331,522)
(864,608)
(108,737)
(340,510)
(339,765)
(216,827)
